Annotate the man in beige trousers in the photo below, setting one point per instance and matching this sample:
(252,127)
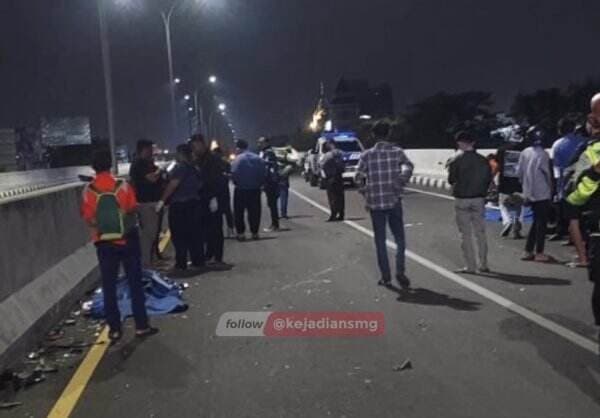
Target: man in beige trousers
(146,179)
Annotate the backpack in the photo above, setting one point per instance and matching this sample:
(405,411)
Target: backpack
(110,219)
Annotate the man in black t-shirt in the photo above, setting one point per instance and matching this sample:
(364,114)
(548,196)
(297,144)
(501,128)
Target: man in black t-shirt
(146,179)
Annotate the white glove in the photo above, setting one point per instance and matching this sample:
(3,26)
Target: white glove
(213,205)
(159,206)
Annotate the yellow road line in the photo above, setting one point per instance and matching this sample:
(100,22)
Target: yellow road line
(162,245)
(68,399)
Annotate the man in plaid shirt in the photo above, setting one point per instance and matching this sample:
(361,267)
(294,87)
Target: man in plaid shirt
(384,170)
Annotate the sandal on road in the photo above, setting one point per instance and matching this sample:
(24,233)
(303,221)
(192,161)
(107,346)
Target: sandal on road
(577,265)
(146,332)
(543,258)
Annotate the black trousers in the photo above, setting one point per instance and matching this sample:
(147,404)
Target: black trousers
(187,233)
(536,240)
(247,201)
(215,241)
(593,246)
(110,258)
(336,198)
(272,193)
(227,208)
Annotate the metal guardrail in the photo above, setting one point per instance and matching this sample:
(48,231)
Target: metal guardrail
(21,183)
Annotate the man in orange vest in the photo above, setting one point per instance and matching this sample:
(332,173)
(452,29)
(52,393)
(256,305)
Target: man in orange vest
(109,208)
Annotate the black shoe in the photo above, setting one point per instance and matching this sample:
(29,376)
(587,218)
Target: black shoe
(114,336)
(403,281)
(331,219)
(506,230)
(340,218)
(555,237)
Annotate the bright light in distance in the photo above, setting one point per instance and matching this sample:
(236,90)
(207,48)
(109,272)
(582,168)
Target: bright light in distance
(187,97)
(191,109)
(214,145)
(212,79)
(222,106)
(177,80)
(328,125)
(166,151)
(365,117)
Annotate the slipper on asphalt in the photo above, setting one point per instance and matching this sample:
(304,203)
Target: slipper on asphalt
(146,332)
(577,265)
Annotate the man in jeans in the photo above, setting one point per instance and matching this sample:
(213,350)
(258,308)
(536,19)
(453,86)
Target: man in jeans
(470,176)
(248,173)
(116,248)
(146,179)
(383,171)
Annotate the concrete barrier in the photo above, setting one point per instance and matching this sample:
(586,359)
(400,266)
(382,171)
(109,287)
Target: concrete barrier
(45,258)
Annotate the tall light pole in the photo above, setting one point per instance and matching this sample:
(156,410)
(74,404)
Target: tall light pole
(107,82)
(166,17)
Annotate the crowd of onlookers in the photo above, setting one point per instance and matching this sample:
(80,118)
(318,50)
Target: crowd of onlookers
(126,217)
(560,188)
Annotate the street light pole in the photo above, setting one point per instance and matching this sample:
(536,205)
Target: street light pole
(166,17)
(107,82)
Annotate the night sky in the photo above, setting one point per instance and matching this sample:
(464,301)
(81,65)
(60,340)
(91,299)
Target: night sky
(271,54)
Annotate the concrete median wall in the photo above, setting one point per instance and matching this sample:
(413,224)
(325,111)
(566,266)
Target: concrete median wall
(45,257)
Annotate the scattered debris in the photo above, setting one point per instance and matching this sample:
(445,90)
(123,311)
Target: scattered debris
(268,305)
(407,365)
(9,405)
(69,321)
(522,289)
(33,355)
(55,334)
(423,325)
(287,366)
(368,381)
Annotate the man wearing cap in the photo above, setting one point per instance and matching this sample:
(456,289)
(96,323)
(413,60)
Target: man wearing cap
(271,185)
(248,172)
(470,175)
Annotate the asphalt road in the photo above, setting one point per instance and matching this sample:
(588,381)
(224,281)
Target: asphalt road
(471,357)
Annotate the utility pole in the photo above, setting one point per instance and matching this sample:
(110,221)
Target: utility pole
(107,82)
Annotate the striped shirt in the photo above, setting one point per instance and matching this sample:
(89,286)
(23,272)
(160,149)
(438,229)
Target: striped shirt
(384,169)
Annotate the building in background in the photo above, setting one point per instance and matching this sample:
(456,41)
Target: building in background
(8,150)
(355,101)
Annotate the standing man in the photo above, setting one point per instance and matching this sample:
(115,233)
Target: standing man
(535,172)
(332,170)
(248,172)
(470,176)
(271,186)
(146,179)
(284,187)
(199,151)
(564,151)
(109,207)
(182,194)
(215,192)
(383,171)
(585,199)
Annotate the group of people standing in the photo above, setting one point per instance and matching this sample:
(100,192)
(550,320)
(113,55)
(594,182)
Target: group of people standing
(126,216)
(562,187)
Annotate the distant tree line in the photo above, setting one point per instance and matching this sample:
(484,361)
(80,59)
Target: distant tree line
(432,122)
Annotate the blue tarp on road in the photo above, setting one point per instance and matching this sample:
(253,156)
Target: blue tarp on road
(163,296)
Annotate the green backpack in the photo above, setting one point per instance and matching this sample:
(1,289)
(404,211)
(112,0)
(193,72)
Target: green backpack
(110,218)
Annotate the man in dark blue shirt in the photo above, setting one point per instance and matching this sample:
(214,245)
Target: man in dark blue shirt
(248,172)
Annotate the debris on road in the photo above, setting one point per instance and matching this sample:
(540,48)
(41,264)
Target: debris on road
(9,405)
(407,365)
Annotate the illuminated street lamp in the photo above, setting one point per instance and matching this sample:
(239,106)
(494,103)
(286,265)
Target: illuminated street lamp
(177,80)
(187,97)
(212,79)
(222,107)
